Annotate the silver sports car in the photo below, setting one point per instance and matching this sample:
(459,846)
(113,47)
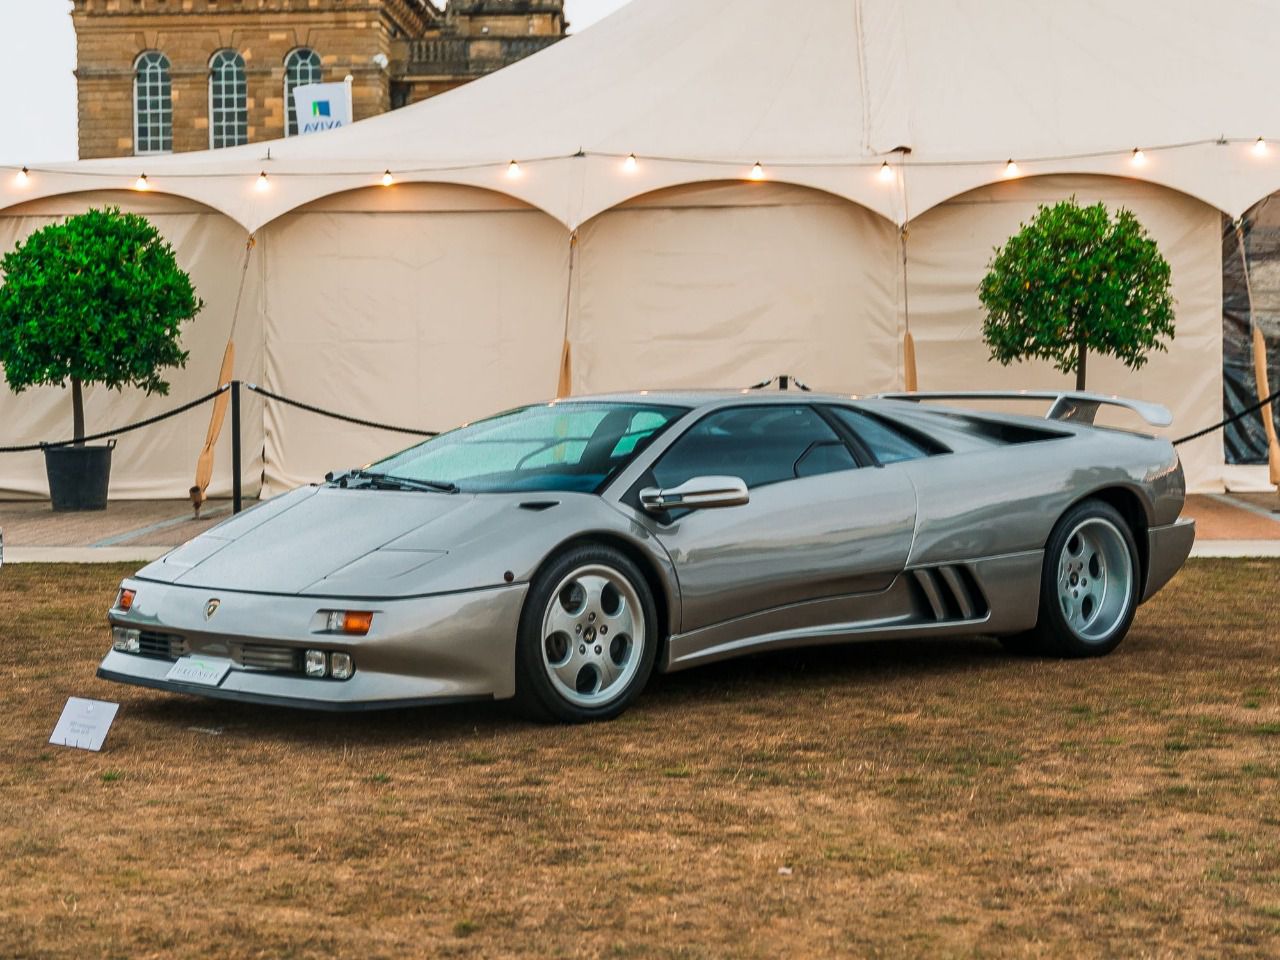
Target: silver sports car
(562,552)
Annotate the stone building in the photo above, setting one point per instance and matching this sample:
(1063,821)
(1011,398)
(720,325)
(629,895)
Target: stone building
(172,75)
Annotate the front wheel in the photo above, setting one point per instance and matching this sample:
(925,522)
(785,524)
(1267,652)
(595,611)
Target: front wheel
(1089,586)
(588,635)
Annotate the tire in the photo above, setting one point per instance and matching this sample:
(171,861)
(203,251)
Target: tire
(588,637)
(1089,585)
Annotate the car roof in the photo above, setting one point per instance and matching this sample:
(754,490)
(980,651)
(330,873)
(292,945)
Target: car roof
(707,398)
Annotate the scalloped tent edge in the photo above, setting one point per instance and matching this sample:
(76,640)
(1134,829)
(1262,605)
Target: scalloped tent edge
(702,90)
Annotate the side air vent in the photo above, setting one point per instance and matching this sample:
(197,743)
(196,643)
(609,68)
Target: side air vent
(951,593)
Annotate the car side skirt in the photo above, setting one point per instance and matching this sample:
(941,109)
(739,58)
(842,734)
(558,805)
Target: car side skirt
(993,595)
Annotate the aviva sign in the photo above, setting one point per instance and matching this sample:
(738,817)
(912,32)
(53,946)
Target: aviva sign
(322,106)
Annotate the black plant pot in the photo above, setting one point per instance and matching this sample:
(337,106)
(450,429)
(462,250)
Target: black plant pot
(78,476)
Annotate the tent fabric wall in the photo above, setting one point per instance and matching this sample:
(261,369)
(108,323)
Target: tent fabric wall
(727,284)
(158,461)
(951,245)
(428,303)
(422,306)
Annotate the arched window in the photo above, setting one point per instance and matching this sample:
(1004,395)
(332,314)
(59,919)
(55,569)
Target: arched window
(228,100)
(152,104)
(300,66)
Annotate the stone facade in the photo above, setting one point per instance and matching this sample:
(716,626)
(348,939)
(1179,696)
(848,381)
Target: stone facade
(396,52)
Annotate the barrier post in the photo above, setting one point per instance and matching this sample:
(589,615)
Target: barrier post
(784,382)
(236,492)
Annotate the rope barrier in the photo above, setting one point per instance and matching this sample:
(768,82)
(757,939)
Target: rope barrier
(340,416)
(373,424)
(27,448)
(1230,420)
(44,445)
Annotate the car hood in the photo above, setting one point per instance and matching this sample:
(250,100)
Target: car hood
(328,541)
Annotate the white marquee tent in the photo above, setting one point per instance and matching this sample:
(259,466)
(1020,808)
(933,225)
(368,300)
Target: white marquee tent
(756,231)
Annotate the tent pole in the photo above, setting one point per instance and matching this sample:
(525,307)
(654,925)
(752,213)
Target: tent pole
(909,376)
(565,386)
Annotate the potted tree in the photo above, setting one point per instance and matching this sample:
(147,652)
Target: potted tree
(1076,280)
(97,298)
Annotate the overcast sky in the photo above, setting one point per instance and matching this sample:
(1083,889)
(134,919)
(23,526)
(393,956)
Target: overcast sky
(38,53)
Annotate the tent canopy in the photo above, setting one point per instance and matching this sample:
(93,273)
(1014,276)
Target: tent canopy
(820,93)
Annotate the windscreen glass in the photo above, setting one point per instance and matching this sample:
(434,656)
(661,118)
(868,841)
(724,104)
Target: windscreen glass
(551,447)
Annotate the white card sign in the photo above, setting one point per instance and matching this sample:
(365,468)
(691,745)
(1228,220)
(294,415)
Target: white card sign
(84,723)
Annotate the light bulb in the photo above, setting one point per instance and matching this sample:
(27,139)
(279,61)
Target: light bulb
(23,176)
(757,172)
(886,172)
(263,183)
(1260,148)
(1139,158)
(141,183)
(631,164)
(513,169)
(388,179)
(1011,169)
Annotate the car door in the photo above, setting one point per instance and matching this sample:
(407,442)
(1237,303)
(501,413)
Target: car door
(821,522)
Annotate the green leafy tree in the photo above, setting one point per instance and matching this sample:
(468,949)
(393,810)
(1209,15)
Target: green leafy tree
(1075,280)
(97,298)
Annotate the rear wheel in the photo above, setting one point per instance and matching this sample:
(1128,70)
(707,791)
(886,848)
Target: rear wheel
(1088,588)
(587,637)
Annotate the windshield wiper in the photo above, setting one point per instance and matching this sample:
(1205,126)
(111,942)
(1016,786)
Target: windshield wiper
(405,483)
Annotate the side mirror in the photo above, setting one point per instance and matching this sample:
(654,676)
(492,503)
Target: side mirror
(700,493)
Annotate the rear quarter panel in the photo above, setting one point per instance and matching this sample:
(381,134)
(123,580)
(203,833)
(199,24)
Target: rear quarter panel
(1006,499)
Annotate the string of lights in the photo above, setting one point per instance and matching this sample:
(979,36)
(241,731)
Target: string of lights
(885,166)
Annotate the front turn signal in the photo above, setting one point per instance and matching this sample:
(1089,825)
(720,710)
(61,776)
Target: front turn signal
(124,599)
(354,623)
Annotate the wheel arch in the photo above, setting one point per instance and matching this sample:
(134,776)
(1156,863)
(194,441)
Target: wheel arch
(660,585)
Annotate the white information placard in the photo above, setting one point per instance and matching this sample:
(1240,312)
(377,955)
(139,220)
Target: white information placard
(84,723)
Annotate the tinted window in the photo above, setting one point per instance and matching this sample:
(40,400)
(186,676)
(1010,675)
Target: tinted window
(888,445)
(760,444)
(564,446)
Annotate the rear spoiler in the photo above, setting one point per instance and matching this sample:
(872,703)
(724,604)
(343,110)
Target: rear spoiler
(1068,405)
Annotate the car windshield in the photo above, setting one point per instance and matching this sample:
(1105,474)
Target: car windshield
(574,446)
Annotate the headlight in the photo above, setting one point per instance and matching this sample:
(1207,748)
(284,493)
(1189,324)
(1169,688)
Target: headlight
(126,640)
(317,663)
(340,666)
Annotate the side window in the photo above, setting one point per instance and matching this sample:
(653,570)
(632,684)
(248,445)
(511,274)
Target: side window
(761,444)
(643,426)
(888,445)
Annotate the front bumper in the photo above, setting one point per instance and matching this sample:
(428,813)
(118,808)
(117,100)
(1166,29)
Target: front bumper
(420,650)
(1167,550)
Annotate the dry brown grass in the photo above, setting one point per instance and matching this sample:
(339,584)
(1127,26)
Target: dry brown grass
(882,800)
